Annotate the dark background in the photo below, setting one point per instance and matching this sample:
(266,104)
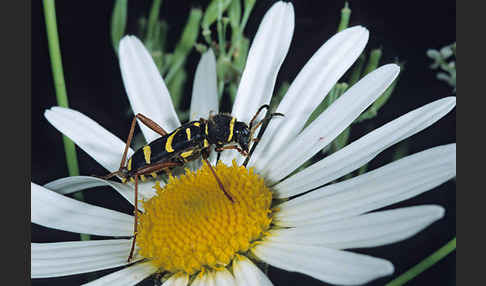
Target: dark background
(404,29)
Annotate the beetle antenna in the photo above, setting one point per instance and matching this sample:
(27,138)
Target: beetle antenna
(265,122)
(258,112)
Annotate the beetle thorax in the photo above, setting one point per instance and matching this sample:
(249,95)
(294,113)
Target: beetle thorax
(220,129)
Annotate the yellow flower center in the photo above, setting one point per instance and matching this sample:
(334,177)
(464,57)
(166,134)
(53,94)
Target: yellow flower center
(190,224)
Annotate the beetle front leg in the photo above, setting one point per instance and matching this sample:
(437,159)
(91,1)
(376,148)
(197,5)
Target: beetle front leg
(231,147)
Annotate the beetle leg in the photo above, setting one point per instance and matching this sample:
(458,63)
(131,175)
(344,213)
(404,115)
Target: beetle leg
(124,156)
(129,141)
(231,147)
(151,124)
(135,214)
(110,175)
(147,122)
(205,155)
(144,171)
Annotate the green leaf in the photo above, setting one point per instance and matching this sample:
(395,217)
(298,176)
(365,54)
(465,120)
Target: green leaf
(334,94)
(221,66)
(156,45)
(221,29)
(118,22)
(141,27)
(161,38)
(186,43)
(201,48)
(234,14)
(153,19)
(158,58)
(357,69)
(276,98)
(233,89)
(241,54)
(401,150)
(373,61)
(341,140)
(249,4)
(433,54)
(176,87)
(237,40)
(166,60)
(362,169)
(378,104)
(372,111)
(213,11)
(446,52)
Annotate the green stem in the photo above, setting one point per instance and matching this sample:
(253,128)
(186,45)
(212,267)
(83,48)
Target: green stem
(358,68)
(345,14)
(186,43)
(246,14)
(219,28)
(424,264)
(222,50)
(60,87)
(153,18)
(373,61)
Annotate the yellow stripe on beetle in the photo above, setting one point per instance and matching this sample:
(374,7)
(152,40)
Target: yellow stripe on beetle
(168,143)
(231,127)
(147,152)
(129,167)
(188,133)
(187,154)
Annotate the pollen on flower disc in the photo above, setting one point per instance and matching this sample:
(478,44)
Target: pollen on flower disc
(190,224)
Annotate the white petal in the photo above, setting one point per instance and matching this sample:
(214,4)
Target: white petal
(369,230)
(205,90)
(329,265)
(266,54)
(308,89)
(53,210)
(392,183)
(195,164)
(247,273)
(365,149)
(201,280)
(67,258)
(210,278)
(128,276)
(100,144)
(77,183)
(145,87)
(224,278)
(332,122)
(178,279)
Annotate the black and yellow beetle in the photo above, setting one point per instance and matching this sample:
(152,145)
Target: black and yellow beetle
(186,143)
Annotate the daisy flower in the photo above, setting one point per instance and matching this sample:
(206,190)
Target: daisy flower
(304,222)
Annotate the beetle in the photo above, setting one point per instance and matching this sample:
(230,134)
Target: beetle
(186,143)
